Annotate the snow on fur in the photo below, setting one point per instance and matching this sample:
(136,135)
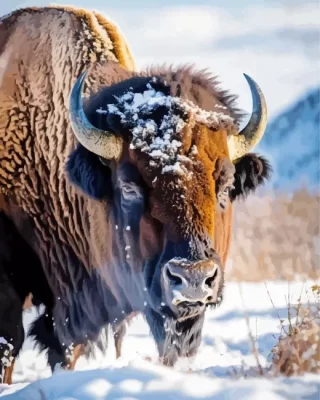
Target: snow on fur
(162,141)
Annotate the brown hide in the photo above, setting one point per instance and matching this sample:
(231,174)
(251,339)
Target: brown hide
(43,50)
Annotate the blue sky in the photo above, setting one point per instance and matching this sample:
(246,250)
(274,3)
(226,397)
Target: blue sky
(276,42)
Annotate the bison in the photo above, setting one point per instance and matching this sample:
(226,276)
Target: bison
(117,185)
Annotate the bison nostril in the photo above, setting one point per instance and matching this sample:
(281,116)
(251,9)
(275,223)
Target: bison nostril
(175,279)
(209,281)
(209,298)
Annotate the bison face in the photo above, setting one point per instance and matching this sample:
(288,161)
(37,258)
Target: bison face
(175,161)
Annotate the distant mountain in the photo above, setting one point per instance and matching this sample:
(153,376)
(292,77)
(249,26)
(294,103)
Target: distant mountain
(292,143)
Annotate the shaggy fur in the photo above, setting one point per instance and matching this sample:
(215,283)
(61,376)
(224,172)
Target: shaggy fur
(42,50)
(252,171)
(87,172)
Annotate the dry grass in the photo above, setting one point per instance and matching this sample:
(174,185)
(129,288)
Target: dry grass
(298,347)
(276,237)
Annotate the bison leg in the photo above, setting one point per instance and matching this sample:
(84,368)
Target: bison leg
(175,339)
(75,355)
(120,331)
(42,332)
(14,288)
(66,357)
(8,373)
(118,335)
(11,326)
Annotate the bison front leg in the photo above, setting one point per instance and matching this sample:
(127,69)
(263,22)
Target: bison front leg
(119,332)
(42,331)
(8,373)
(175,339)
(67,358)
(6,362)
(11,327)
(73,355)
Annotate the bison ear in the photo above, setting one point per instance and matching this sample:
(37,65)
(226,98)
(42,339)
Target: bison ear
(252,171)
(85,170)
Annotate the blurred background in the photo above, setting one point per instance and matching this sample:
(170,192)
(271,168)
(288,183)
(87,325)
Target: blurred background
(277,42)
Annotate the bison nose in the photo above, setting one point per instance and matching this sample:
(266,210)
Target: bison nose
(192,282)
(174,276)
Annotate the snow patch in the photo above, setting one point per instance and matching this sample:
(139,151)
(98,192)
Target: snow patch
(225,350)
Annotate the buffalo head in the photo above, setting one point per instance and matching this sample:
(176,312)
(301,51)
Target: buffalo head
(165,150)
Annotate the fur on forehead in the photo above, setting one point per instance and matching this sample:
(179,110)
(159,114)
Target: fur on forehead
(160,124)
(156,114)
(198,86)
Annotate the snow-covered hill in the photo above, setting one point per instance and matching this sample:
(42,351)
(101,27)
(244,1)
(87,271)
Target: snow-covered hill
(292,142)
(225,350)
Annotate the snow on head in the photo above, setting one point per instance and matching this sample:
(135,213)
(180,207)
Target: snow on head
(161,140)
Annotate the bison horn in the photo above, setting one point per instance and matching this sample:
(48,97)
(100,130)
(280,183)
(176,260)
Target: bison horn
(250,136)
(103,143)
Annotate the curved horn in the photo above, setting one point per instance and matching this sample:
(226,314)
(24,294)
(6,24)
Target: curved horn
(100,142)
(250,136)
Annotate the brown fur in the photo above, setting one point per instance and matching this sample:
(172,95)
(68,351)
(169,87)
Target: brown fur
(76,354)
(37,70)
(34,99)
(28,302)
(8,373)
(197,208)
(121,49)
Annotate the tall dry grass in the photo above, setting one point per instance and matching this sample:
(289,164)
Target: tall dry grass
(276,236)
(297,350)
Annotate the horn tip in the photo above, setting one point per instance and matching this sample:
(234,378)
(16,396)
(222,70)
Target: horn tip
(82,77)
(75,96)
(256,93)
(249,79)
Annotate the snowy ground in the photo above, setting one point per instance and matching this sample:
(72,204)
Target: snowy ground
(225,350)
